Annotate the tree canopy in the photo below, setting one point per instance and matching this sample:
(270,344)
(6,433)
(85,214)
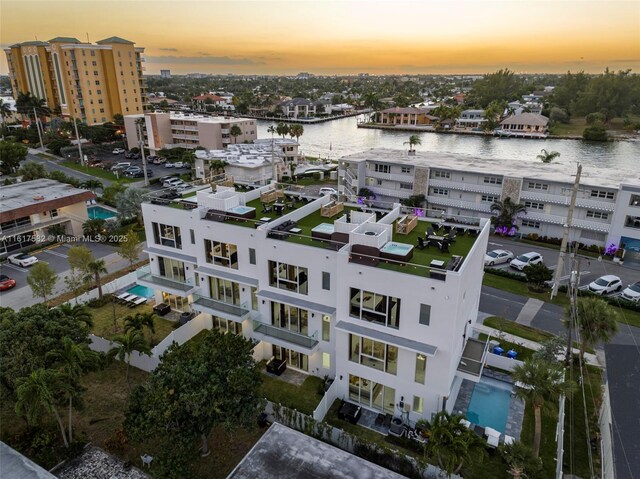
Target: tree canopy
(12,154)
(503,85)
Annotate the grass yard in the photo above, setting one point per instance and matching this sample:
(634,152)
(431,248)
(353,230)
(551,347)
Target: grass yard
(97,172)
(304,398)
(575,127)
(520,330)
(548,444)
(523,353)
(103,321)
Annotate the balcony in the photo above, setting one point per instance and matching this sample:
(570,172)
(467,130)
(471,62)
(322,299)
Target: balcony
(473,357)
(632,222)
(403,177)
(220,309)
(434,200)
(285,338)
(566,200)
(461,186)
(561,220)
(28,228)
(172,286)
(391,192)
(225,131)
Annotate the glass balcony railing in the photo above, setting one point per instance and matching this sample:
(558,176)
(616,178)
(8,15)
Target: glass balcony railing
(308,342)
(213,306)
(144,274)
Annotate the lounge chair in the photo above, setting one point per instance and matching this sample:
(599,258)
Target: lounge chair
(137,302)
(493,437)
(128,297)
(122,296)
(465,423)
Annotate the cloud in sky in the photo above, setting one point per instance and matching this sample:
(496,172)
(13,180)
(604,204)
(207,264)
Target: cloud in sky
(201,60)
(168,49)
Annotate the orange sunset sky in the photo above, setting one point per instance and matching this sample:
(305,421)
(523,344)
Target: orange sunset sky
(341,37)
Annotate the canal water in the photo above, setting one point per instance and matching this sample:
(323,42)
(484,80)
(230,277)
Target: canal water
(336,138)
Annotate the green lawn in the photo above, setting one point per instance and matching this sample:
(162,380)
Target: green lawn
(520,330)
(103,321)
(575,127)
(304,398)
(548,446)
(97,172)
(523,353)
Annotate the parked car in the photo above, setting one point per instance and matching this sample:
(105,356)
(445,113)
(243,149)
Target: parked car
(139,174)
(173,181)
(181,187)
(632,292)
(168,165)
(122,165)
(605,284)
(178,164)
(497,256)
(324,191)
(166,178)
(22,259)
(131,168)
(118,151)
(158,160)
(6,282)
(526,259)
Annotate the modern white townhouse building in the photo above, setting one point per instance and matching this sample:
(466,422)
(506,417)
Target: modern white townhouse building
(329,288)
(607,207)
(172,129)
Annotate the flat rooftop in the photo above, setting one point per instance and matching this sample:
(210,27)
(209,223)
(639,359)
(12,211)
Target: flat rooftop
(558,171)
(38,195)
(14,465)
(96,463)
(283,452)
(177,116)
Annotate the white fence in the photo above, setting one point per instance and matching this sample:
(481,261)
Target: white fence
(560,437)
(110,287)
(140,361)
(605,422)
(502,362)
(183,334)
(330,395)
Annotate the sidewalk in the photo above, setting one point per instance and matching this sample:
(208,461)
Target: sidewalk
(590,359)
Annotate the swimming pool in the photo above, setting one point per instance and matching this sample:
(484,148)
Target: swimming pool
(490,403)
(326,228)
(400,249)
(98,212)
(140,290)
(241,210)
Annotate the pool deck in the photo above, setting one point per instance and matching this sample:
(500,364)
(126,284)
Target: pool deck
(516,406)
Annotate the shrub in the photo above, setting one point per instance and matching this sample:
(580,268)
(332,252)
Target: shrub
(595,118)
(558,115)
(595,133)
(506,274)
(317,175)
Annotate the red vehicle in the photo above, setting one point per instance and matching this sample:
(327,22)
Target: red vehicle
(6,282)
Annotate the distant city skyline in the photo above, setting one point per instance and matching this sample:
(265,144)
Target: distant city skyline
(345,37)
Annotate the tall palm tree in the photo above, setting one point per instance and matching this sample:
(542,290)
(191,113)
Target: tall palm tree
(506,211)
(235,132)
(139,321)
(541,381)
(26,103)
(547,156)
(77,312)
(451,443)
(272,129)
(94,269)
(73,359)
(282,129)
(126,344)
(296,130)
(37,395)
(413,141)
(5,111)
(92,185)
(596,321)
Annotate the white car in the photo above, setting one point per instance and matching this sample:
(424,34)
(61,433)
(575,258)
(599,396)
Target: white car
(168,165)
(180,187)
(178,164)
(328,191)
(174,181)
(605,284)
(632,292)
(22,259)
(526,259)
(117,151)
(497,256)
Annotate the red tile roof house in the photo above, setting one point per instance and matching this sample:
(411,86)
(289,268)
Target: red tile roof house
(526,125)
(201,102)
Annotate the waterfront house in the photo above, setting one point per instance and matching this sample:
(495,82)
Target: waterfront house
(471,120)
(406,116)
(527,125)
(298,108)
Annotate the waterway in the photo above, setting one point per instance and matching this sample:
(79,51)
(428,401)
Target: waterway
(336,138)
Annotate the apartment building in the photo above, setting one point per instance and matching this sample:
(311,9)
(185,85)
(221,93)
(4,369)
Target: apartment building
(298,108)
(250,164)
(28,209)
(90,82)
(606,208)
(173,129)
(330,288)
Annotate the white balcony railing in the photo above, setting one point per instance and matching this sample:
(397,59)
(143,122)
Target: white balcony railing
(561,220)
(403,177)
(566,200)
(390,192)
(435,200)
(462,186)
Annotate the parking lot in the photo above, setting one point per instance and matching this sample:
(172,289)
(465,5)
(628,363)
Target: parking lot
(590,268)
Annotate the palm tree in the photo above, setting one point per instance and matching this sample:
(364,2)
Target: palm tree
(73,360)
(235,132)
(5,111)
(506,211)
(451,443)
(139,321)
(296,130)
(26,103)
(272,129)
(541,381)
(520,460)
(547,156)
(92,185)
(596,321)
(77,312)
(93,227)
(126,344)
(94,269)
(282,129)
(413,140)
(37,395)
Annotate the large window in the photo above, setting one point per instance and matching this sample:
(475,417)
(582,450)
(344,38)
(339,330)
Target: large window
(293,358)
(492,180)
(441,174)
(289,317)
(421,368)
(534,205)
(167,235)
(375,307)
(425,314)
(289,277)
(221,254)
(374,354)
(171,268)
(533,185)
(226,325)
(224,290)
(381,168)
(608,195)
(600,215)
(372,394)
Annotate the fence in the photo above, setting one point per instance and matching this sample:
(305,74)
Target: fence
(605,423)
(110,287)
(183,334)
(330,395)
(136,359)
(560,437)
(502,362)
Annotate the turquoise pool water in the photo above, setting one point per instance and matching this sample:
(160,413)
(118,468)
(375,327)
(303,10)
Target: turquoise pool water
(324,228)
(140,290)
(397,248)
(98,212)
(241,209)
(489,404)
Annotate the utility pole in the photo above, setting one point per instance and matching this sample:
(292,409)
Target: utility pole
(141,143)
(75,125)
(35,115)
(565,234)
(573,297)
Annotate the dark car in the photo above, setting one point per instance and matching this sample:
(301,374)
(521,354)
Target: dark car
(139,174)
(6,282)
